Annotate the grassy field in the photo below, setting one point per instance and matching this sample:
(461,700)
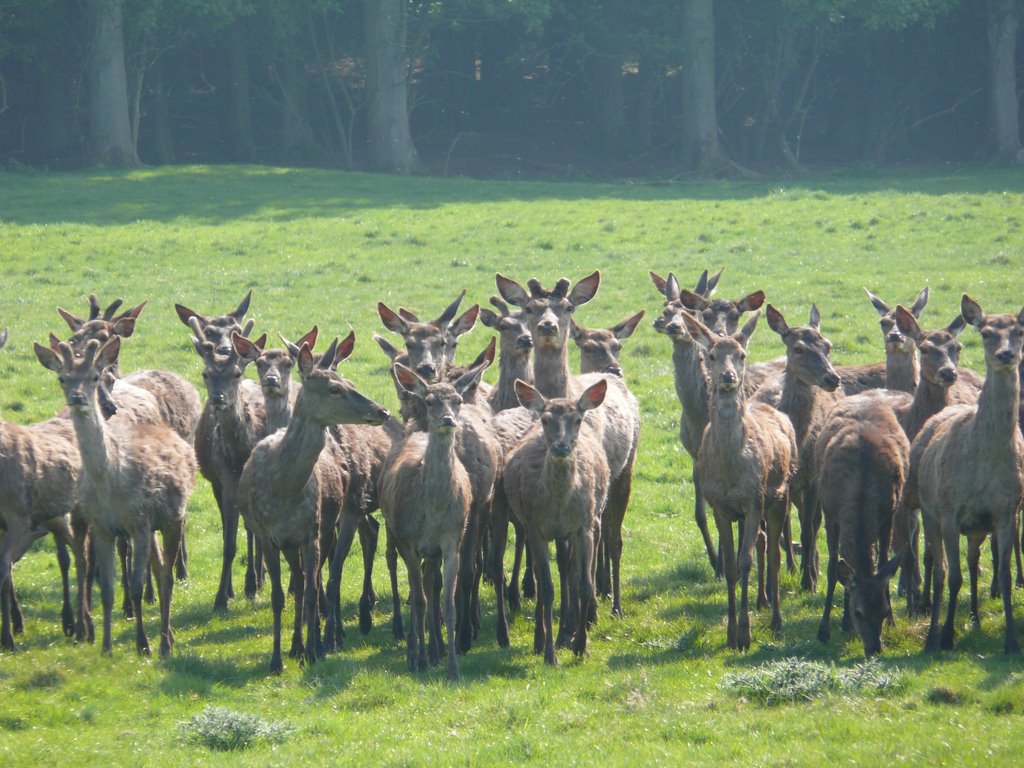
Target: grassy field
(658,686)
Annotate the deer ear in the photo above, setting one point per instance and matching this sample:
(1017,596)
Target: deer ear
(529,397)
(888,570)
(107,356)
(185,315)
(387,347)
(124,327)
(408,316)
(242,308)
(74,322)
(907,323)
(592,396)
(971,311)
(391,321)
(244,348)
(814,319)
(488,318)
(776,321)
(345,348)
(575,332)
(445,317)
(700,332)
(47,357)
(465,322)
(880,306)
(671,288)
(305,361)
(626,328)
(958,324)
(713,282)
(919,302)
(54,342)
(511,291)
(585,289)
(751,302)
(846,574)
(743,337)
(409,380)
(691,300)
(309,338)
(659,282)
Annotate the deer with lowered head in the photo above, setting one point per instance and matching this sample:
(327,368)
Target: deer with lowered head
(39,473)
(862,455)
(557,483)
(967,472)
(748,458)
(292,490)
(136,480)
(426,494)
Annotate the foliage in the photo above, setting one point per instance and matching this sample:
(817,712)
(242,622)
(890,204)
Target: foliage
(792,680)
(224,730)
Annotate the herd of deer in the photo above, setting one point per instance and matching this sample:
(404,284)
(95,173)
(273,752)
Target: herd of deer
(864,448)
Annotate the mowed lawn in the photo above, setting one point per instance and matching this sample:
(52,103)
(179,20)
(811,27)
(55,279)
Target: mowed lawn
(323,247)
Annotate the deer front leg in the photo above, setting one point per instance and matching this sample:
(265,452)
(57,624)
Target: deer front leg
(141,545)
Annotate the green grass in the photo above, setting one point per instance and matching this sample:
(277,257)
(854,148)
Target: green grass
(324,247)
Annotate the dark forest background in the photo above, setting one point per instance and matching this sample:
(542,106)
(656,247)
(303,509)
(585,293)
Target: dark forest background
(506,88)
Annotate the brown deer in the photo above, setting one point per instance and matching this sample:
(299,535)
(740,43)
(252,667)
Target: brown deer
(549,313)
(428,344)
(967,469)
(810,388)
(862,456)
(426,495)
(600,347)
(747,462)
(514,357)
(557,482)
(39,472)
(901,369)
(136,481)
(293,487)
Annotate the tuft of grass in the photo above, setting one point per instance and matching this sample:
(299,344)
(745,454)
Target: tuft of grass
(793,679)
(224,730)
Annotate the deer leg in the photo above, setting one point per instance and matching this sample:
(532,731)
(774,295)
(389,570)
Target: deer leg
(84,630)
(974,571)
(451,574)
(432,587)
(17,616)
(512,591)
(6,598)
(584,549)
(760,542)
(415,654)
(124,555)
(729,568)
(746,561)
(700,513)
(311,601)
(273,560)
(106,571)
(141,546)
(1006,538)
(954,579)
(467,578)
(787,543)
(391,557)
(181,560)
(229,529)
(496,558)
(618,501)
(333,631)
(545,595)
(562,556)
(298,582)
(369,533)
(776,524)
(165,564)
(994,588)
(67,615)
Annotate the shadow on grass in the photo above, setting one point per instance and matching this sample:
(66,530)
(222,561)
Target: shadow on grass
(220,193)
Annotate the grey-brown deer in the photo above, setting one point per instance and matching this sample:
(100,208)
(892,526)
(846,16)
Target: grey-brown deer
(136,480)
(967,468)
(747,462)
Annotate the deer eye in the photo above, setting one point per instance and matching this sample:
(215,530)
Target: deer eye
(336,389)
(60,379)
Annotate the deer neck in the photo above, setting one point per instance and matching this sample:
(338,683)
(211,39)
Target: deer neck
(551,370)
(238,428)
(901,371)
(438,465)
(929,399)
(726,417)
(300,447)
(95,443)
(511,367)
(278,409)
(691,379)
(998,406)
(802,402)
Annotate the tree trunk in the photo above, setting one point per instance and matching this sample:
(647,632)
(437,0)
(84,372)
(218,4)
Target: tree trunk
(161,134)
(239,116)
(293,127)
(701,150)
(391,146)
(110,133)
(1003,19)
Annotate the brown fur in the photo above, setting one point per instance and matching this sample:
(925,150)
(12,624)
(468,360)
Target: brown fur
(747,461)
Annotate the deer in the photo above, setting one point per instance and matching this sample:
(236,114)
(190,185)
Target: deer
(967,471)
(39,471)
(549,312)
(557,482)
(292,490)
(600,347)
(136,480)
(426,496)
(811,388)
(479,451)
(747,460)
(862,455)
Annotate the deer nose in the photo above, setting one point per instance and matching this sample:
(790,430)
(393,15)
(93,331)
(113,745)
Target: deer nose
(560,450)
(271,381)
(1004,356)
(614,370)
(948,374)
(673,328)
(218,398)
(895,337)
(77,398)
(525,341)
(659,325)
(224,349)
(728,377)
(448,421)
(831,381)
(547,328)
(426,370)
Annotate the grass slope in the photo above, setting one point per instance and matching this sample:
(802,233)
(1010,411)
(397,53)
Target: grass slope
(323,247)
